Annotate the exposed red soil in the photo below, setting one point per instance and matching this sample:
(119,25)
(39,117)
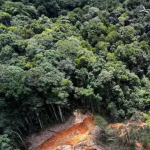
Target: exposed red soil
(72,136)
(76,131)
(116,125)
(122,131)
(138,145)
(35,140)
(123,128)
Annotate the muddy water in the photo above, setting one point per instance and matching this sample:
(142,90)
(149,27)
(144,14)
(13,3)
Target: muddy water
(69,138)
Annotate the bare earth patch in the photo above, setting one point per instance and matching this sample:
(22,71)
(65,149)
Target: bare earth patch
(71,137)
(36,140)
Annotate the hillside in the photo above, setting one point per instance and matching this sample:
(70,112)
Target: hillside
(60,55)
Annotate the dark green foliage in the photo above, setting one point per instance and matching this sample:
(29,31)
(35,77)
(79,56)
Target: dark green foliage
(61,54)
(6,143)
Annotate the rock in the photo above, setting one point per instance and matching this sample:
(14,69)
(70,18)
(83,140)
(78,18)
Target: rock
(64,147)
(79,146)
(90,143)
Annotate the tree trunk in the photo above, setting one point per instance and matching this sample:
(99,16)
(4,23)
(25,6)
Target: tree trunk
(61,115)
(20,138)
(54,112)
(39,120)
(23,126)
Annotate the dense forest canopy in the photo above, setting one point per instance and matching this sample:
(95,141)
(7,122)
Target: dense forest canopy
(57,55)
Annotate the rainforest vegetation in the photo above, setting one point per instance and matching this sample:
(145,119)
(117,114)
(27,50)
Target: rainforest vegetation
(58,55)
